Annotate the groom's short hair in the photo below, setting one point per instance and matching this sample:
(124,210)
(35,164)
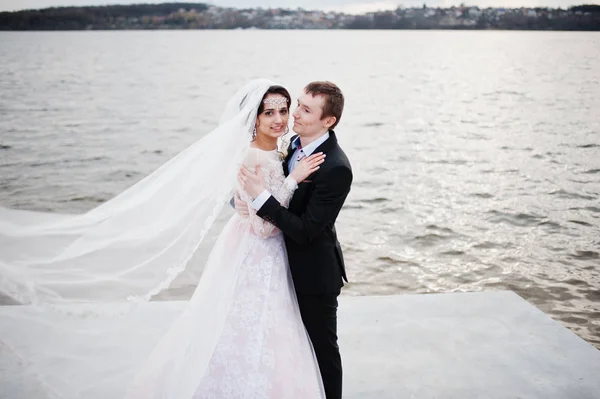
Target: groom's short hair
(334,99)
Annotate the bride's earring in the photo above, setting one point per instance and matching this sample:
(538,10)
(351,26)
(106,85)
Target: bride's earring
(254,134)
(287,130)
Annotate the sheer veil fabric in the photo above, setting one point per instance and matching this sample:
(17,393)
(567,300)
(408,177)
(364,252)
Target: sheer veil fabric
(134,245)
(102,267)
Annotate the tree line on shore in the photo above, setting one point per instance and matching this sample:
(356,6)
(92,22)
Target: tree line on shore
(204,16)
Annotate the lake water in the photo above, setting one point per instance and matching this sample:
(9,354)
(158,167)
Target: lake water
(476,155)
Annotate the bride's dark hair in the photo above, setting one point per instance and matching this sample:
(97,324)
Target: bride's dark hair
(275,90)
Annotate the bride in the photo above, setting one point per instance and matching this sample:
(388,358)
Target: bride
(241,334)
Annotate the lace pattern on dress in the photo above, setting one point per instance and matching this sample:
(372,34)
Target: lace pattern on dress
(275,182)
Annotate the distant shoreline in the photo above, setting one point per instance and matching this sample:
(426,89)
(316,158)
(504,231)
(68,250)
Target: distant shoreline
(292,29)
(200,16)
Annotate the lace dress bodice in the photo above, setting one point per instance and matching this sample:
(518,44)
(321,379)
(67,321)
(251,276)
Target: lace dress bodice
(280,187)
(257,346)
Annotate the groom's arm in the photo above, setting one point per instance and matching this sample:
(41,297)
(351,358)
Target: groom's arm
(324,204)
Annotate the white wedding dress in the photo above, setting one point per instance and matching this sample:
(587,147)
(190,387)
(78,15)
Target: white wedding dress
(262,349)
(84,324)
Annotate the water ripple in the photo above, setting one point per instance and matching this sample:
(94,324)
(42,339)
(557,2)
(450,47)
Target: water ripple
(585,255)
(570,195)
(516,219)
(505,199)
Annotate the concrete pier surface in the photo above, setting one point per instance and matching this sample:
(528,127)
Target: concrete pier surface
(458,345)
(492,345)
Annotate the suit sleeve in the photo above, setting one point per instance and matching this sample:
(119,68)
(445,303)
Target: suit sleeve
(324,204)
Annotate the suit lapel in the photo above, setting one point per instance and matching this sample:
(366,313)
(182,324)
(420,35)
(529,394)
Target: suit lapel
(289,154)
(300,193)
(327,144)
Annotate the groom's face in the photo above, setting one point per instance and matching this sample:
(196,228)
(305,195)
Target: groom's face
(307,115)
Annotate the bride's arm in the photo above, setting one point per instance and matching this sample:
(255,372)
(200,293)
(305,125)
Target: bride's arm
(330,192)
(283,194)
(302,171)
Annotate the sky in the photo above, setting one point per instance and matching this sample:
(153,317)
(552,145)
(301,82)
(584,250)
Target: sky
(347,6)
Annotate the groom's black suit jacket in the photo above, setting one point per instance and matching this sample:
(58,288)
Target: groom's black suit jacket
(314,253)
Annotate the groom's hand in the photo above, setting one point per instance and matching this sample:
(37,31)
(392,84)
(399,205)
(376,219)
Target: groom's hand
(250,182)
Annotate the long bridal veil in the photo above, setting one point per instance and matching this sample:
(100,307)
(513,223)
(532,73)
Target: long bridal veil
(100,267)
(134,245)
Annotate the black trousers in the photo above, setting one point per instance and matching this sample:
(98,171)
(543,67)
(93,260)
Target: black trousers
(319,314)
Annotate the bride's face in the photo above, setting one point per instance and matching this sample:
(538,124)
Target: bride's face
(272,120)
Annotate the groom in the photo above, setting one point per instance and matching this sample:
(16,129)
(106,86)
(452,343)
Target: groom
(315,255)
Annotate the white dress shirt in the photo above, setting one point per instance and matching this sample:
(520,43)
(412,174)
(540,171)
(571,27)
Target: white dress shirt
(298,154)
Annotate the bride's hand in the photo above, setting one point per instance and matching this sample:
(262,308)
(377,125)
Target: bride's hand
(307,166)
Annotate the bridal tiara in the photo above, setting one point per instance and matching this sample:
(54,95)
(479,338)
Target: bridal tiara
(275,102)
